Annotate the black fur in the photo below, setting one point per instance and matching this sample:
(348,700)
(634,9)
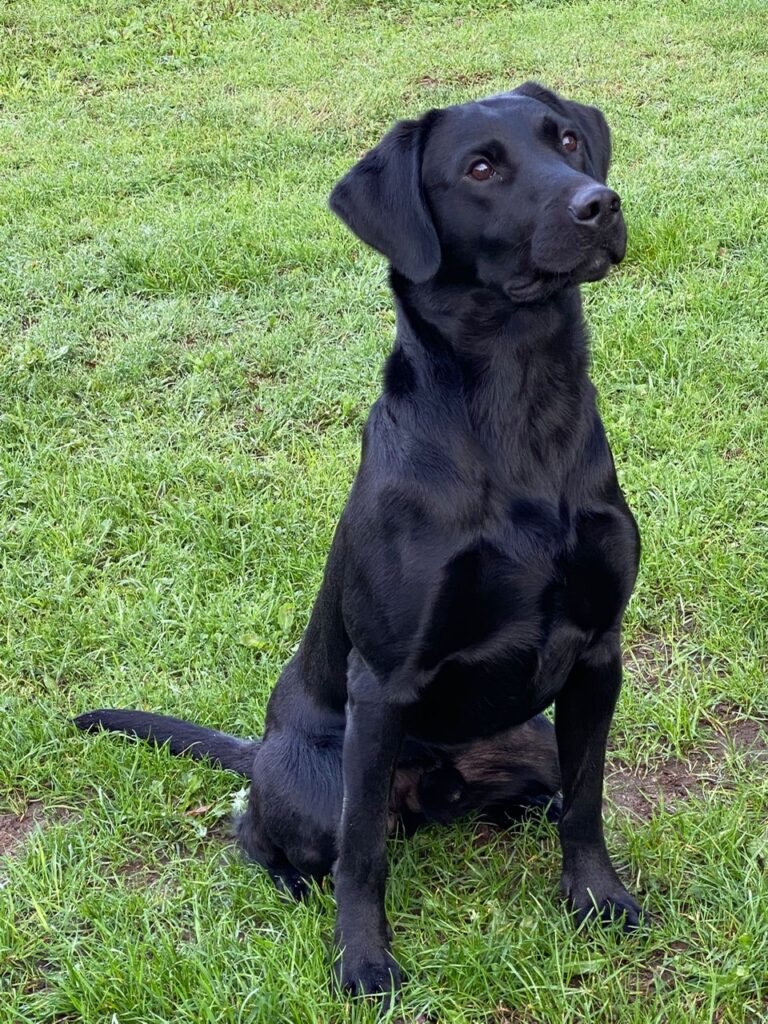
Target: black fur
(484,559)
(181,737)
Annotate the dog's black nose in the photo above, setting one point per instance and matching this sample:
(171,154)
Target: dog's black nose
(594,205)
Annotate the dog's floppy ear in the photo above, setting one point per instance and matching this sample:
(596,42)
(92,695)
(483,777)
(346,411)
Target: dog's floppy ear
(594,127)
(382,200)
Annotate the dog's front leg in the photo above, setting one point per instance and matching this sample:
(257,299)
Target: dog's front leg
(583,712)
(371,744)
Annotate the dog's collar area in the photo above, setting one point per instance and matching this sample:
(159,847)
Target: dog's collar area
(444,318)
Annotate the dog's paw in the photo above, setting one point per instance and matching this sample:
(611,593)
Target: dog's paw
(290,883)
(373,973)
(607,903)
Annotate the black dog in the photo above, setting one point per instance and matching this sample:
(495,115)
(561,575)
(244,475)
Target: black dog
(486,554)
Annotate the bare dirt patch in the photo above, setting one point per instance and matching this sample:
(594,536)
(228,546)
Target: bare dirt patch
(673,781)
(137,874)
(651,660)
(15,829)
(478,78)
(668,785)
(660,972)
(746,735)
(425,84)
(503,1015)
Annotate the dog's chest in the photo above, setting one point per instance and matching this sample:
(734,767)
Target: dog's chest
(511,612)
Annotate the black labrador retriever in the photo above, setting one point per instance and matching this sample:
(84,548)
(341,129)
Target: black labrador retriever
(485,556)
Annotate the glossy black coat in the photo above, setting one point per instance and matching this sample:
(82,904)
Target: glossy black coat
(484,559)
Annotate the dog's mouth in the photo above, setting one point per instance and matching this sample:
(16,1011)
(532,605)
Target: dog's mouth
(534,289)
(540,284)
(595,267)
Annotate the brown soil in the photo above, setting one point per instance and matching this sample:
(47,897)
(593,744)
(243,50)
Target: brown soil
(651,658)
(673,781)
(15,829)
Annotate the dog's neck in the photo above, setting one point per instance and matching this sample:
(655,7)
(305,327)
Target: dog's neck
(517,373)
(475,321)
(511,380)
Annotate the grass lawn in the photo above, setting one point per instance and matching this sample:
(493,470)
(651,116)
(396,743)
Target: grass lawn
(188,346)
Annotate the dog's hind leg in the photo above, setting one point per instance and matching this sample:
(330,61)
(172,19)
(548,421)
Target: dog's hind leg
(294,807)
(256,843)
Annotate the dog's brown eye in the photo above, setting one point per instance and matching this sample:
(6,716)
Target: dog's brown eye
(481,171)
(569,142)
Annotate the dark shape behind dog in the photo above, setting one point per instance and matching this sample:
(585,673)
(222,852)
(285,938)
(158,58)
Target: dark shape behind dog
(485,556)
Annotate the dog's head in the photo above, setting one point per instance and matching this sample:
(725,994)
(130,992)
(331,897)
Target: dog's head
(507,192)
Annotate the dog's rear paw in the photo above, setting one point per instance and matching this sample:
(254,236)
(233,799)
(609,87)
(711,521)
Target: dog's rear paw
(290,883)
(370,974)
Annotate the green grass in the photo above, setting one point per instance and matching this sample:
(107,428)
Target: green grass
(189,345)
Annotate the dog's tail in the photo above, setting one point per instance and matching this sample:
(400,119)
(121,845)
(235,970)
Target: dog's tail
(181,737)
